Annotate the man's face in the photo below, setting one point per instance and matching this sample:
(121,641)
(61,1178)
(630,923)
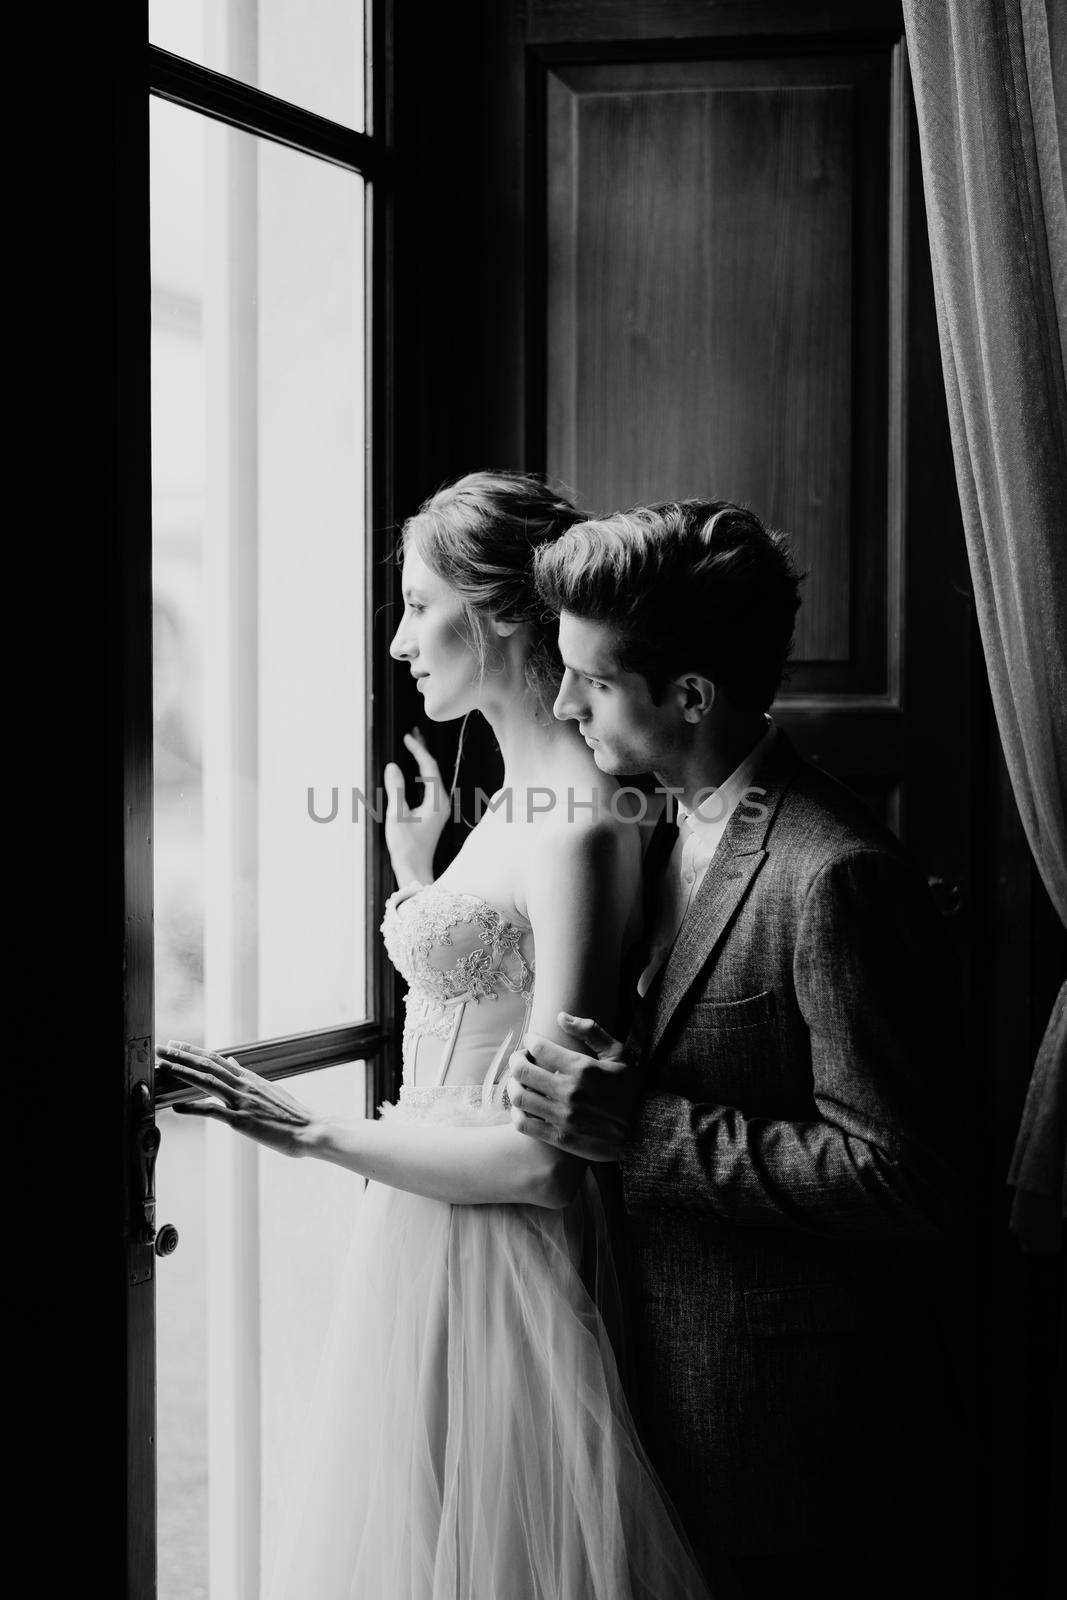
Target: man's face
(616,715)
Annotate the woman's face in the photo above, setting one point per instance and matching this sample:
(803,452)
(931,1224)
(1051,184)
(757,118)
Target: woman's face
(434,638)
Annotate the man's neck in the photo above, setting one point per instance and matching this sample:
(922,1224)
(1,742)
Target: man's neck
(707,764)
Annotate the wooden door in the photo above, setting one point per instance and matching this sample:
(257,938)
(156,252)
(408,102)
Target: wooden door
(729,310)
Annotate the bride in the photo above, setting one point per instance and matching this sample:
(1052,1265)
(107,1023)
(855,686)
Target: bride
(469,1439)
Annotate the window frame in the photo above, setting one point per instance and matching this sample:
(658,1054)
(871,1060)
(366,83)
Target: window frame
(250,110)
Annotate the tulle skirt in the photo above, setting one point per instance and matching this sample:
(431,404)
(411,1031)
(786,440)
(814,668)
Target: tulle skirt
(469,1438)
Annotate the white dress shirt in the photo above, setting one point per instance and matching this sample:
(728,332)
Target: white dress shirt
(699,834)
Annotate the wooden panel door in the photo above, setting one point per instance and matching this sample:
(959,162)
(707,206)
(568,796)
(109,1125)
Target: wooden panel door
(716,311)
(734,301)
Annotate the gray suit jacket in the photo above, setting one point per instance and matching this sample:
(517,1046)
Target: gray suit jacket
(789,1176)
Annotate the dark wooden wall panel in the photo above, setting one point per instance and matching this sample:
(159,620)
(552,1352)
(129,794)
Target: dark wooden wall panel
(716,313)
(627,21)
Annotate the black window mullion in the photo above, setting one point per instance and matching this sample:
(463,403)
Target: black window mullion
(288,1056)
(380,571)
(252,111)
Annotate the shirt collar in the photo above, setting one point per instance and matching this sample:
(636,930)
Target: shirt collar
(713,811)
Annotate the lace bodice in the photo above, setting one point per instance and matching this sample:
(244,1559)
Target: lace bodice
(470,975)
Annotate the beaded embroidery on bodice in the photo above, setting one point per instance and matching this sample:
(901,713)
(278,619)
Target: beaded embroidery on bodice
(455,949)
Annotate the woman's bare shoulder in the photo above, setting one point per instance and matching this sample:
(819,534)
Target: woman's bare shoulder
(585,842)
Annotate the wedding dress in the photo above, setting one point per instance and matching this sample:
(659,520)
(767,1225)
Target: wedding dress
(469,1439)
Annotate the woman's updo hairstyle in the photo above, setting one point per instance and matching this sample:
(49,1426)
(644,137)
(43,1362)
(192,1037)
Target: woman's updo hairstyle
(479,534)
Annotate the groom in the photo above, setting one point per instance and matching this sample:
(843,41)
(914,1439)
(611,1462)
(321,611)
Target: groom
(784,1109)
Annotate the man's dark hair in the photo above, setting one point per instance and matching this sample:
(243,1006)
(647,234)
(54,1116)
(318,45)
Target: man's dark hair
(694,585)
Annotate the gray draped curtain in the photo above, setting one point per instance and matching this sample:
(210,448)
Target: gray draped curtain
(991,99)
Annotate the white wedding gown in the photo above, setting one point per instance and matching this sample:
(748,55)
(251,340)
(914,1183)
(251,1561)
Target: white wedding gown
(469,1439)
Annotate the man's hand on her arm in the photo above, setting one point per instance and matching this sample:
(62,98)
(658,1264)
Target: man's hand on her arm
(579,1102)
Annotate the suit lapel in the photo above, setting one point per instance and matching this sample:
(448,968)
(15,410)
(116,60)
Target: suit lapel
(730,875)
(726,883)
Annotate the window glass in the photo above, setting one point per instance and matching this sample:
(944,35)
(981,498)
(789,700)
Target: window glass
(242,1310)
(309,52)
(258,577)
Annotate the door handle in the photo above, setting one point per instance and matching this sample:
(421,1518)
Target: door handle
(948,896)
(147,1140)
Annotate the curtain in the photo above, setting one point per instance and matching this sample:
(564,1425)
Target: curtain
(991,98)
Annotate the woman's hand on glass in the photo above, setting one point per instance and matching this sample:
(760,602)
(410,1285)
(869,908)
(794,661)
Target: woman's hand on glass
(412,832)
(251,1104)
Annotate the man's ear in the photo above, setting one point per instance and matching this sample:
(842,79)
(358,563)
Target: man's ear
(696,695)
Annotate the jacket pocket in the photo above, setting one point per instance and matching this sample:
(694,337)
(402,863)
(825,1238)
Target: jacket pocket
(753,1011)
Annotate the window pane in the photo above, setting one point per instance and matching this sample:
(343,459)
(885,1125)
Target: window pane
(258,552)
(309,52)
(242,1310)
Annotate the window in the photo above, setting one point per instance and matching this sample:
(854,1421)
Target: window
(268,179)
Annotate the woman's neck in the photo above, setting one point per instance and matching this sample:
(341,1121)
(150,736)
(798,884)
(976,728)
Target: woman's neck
(529,745)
